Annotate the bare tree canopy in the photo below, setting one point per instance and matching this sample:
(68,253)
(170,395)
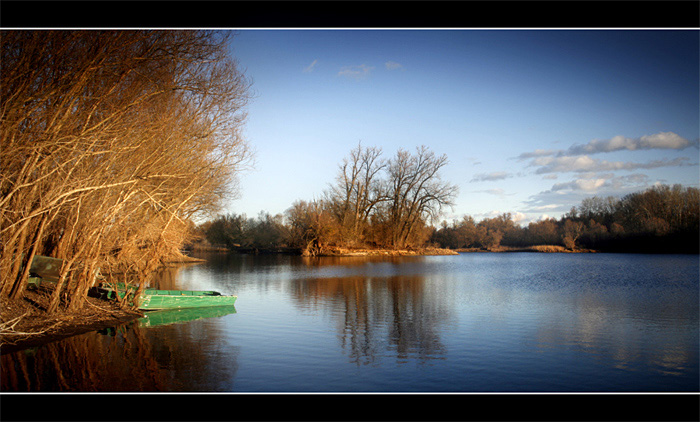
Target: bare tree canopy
(357,191)
(376,201)
(416,192)
(111,142)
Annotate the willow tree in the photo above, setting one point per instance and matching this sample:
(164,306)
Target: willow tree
(111,142)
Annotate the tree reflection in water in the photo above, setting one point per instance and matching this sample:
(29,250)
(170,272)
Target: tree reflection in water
(116,359)
(124,358)
(380,316)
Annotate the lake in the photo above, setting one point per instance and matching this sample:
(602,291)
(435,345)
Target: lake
(475,322)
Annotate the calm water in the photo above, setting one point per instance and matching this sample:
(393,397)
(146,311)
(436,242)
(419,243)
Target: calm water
(479,322)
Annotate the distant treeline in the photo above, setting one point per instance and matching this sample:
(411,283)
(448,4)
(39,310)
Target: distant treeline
(660,219)
(389,204)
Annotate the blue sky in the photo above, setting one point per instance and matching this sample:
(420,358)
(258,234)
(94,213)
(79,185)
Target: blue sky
(532,121)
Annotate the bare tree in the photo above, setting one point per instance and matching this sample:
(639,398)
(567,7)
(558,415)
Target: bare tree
(312,227)
(415,193)
(572,230)
(357,191)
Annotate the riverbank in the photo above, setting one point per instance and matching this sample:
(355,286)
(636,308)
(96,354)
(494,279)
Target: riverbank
(339,251)
(327,251)
(25,323)
(533,248)
(427,251)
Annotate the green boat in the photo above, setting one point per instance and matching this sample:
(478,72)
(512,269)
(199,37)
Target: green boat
(155,299)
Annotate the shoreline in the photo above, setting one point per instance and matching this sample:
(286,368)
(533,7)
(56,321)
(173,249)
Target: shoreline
(350,252)
(25,323)
(533,248)
(337,251)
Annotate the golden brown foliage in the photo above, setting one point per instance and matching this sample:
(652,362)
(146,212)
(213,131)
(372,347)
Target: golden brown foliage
(111,142)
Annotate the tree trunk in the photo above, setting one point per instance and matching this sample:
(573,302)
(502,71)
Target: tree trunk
(20,285)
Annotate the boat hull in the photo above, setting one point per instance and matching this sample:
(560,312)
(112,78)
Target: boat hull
(158,300)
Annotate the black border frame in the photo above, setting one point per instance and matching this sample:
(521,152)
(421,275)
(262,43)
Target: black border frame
(349,14)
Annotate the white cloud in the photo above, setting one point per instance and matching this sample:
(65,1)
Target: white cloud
(536,153)
(637,180)
(475,161)
(562,196)
(544,207)
(518,217)
(494,191)
(587,185)
(584,163)
(562,164)
(393,66)
(356,72)
(310,68)
(497,175)
(596,176)
(661,140)
(609,181)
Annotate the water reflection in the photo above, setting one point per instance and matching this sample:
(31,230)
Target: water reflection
(117,360)
(653,334)
(179,316)
(129,357)
(378,315)
(479,322)
(168,278)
